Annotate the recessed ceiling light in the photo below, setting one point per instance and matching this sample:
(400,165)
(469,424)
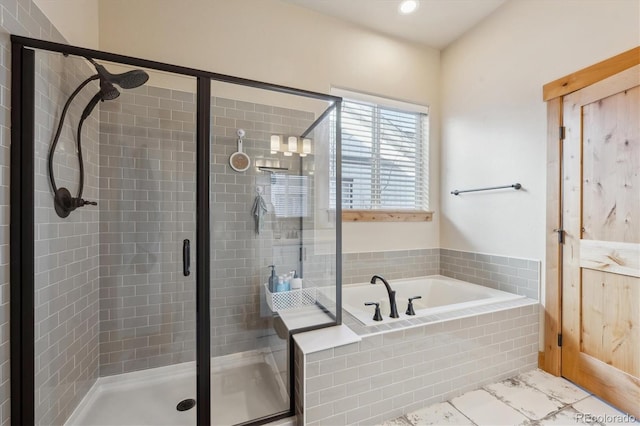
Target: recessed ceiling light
(408,6)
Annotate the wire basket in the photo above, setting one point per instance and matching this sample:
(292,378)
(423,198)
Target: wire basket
(283,300)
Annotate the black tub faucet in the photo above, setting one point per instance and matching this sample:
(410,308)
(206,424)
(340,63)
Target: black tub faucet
(376,316)
(392,295)
(410,310)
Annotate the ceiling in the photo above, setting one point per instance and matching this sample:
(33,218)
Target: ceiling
(436,23)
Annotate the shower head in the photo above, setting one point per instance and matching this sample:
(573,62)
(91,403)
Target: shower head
(108,90)
(126,80)
(64,202)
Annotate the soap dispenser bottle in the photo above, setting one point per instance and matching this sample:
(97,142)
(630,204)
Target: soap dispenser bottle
(296,282)
(273,279)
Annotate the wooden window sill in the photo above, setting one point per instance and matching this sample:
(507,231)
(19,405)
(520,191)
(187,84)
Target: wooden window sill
(385,216)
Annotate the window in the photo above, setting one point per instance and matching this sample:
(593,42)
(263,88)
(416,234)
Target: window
(384,156)
(289,195)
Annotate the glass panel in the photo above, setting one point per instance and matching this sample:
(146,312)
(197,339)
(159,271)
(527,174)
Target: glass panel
(115,313)
(319,228)
(264,212)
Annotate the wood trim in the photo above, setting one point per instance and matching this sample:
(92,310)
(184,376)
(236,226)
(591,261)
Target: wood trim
(385,216)
(551,362)
(624,80)
(587,76)
(571,277)
(611,256)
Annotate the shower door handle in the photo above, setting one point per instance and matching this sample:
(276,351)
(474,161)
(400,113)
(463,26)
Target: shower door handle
(186,258)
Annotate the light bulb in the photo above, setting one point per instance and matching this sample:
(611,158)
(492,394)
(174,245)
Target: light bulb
(306,146)
(293,144)
(275,143)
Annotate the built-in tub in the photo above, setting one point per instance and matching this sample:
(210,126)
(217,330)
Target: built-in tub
(439,294)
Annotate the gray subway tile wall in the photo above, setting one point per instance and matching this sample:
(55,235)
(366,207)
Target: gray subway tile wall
(515,275)
(359,267)
(20,17)
(241,320)
(148,176)
(66,249)
(147,209)
(386,375)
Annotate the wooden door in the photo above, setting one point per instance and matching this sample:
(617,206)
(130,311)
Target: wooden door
(601,255)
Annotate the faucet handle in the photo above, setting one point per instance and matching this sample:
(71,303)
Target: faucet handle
(377,316)
(410,310)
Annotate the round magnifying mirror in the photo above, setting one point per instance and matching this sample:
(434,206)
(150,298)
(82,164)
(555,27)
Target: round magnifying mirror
(239,161)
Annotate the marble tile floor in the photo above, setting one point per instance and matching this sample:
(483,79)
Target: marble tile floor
(534,398)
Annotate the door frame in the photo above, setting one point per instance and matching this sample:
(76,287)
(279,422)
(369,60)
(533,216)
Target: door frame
(550,359)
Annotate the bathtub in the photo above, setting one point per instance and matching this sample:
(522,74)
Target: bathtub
(439,294)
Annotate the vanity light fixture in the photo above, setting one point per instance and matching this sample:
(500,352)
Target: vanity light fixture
(306,147)
(408,6)
(292,146)
(275,143)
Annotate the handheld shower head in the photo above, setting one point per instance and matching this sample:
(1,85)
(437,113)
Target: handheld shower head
(64,202)
(108,90)
(126,80)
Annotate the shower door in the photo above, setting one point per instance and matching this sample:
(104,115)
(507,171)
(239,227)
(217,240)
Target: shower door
(114,288)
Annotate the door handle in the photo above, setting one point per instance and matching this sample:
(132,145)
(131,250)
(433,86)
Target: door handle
(186,258)
(560,233)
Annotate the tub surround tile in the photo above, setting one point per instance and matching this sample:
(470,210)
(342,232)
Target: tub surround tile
(484,409)
(357,327)
(420,365)
(439,414)
(516,275)
(360,267)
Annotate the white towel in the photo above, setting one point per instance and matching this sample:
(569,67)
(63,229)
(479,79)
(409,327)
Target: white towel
(258,210)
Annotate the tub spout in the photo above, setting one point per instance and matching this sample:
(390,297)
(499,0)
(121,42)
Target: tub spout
(392,295)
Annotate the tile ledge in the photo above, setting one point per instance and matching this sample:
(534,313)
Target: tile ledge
(325,338)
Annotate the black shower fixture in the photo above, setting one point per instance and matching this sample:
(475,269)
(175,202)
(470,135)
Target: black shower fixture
(126,80)
(63,201)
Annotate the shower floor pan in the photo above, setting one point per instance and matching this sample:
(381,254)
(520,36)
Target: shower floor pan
(243,387)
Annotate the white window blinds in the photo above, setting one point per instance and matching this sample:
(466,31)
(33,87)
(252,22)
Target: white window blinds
(384,158)
(290,195)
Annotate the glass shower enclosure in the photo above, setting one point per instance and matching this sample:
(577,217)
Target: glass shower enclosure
(150,204)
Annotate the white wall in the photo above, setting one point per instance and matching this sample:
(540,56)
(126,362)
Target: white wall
(280,43)
(77,20)
(494,118)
